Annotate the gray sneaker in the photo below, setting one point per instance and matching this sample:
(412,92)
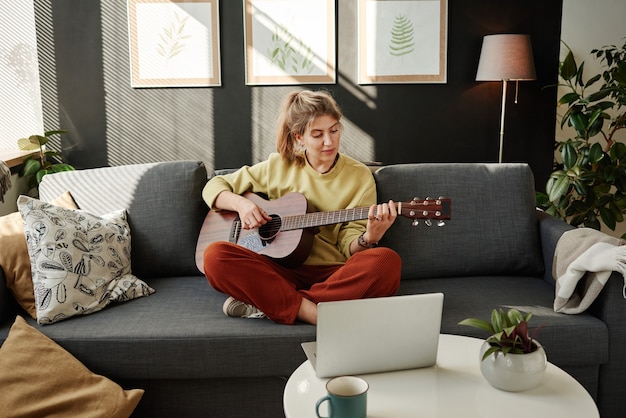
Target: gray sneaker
(238,309)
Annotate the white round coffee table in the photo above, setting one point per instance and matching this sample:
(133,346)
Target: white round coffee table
(452,388)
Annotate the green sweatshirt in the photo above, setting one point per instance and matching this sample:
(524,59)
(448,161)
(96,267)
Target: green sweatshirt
(349,184)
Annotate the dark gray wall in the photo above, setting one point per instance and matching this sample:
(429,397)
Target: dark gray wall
(111,123)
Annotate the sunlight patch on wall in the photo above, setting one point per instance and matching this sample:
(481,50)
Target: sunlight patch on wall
(20,95)
(147,125)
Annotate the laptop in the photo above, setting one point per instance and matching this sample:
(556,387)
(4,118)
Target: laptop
(376,335)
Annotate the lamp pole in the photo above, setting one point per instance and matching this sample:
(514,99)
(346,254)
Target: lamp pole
(504,87)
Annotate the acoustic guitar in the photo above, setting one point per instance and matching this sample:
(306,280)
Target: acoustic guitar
(288,236)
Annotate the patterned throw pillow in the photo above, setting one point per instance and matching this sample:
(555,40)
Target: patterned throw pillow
(80,262)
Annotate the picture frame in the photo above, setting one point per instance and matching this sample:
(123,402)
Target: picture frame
(290,42)
(402,41)
(174,43)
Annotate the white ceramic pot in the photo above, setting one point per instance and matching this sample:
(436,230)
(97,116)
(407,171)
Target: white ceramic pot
(513,372)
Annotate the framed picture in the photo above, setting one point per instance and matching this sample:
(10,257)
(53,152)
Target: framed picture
(289,41)
(402,41)
(174,43)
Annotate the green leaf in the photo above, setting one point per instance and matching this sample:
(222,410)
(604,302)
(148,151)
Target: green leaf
(558,188)
(579,122)
(569,155)
(56,168)
(595,153)
(490,351)
(57,132)
(608,218)
(27,145)
(599,95)
(41,140)
(30,167)
(40,174)
(592,80)
(568,68)
(569,98)
(478,323)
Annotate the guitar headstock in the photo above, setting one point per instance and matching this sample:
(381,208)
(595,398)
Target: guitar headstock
(428,209)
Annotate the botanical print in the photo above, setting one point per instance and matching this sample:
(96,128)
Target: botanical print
(402,37)
(402,41)
(174,43)
(291,55)
(173,37)
(290,41)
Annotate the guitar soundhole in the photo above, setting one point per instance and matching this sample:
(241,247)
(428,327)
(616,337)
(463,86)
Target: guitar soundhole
(269,231)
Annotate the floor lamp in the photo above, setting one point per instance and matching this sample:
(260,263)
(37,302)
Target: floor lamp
(506,58)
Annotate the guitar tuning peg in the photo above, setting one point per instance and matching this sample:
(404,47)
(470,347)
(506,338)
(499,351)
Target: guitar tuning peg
(428,222)
(441,223)
(415,222)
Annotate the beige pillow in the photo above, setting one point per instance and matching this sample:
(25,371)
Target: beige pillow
(40,379)
(14,258)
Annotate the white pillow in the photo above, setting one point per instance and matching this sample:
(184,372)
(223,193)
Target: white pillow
(80,262)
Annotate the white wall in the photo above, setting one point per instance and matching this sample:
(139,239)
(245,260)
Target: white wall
(588,25)
(20,98)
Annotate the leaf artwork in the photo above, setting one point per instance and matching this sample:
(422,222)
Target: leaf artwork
(290,54)
(173,37)
(402,41)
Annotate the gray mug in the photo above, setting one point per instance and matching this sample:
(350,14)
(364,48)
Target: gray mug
(347,398)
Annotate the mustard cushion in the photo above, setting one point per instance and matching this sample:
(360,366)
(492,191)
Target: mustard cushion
(39,378)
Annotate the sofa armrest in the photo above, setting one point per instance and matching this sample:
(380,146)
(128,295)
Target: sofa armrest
(550,230)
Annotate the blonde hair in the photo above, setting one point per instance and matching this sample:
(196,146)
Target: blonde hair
(299,109)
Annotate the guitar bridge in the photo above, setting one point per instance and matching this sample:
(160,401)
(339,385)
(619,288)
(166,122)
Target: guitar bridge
(235,231)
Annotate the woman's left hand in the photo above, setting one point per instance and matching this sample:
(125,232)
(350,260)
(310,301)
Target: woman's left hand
(379,220)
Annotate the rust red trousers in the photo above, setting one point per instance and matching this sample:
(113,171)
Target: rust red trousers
(278,291)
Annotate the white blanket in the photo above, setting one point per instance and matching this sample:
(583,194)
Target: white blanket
(583,262)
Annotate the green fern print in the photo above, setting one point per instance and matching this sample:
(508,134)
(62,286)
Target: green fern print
(402,42)
(172,38)
(290,54)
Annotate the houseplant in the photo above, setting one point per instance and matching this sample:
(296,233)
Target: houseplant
(510,358)
(44,161)
(588,184)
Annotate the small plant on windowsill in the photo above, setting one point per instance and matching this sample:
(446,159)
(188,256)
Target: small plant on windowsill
(43,161)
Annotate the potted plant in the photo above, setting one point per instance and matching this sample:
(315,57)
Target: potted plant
(510,358)
(44,161)
(588,184)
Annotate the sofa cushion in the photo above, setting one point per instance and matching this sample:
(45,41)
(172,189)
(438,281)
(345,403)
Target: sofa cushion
(39,378)
(180,332)
(14,258)
(493,229)
(569,340)
(164,204)
(80,262)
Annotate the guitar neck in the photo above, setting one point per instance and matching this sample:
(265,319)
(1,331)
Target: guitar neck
(314,219)
(428,209)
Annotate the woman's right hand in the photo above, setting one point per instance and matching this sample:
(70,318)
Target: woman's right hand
(251,215)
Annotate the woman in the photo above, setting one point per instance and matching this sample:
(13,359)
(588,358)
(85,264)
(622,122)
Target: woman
(344,262)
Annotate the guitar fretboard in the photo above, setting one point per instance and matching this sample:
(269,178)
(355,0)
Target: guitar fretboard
(310,220)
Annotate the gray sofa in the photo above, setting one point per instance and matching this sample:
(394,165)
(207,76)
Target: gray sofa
(497,250)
